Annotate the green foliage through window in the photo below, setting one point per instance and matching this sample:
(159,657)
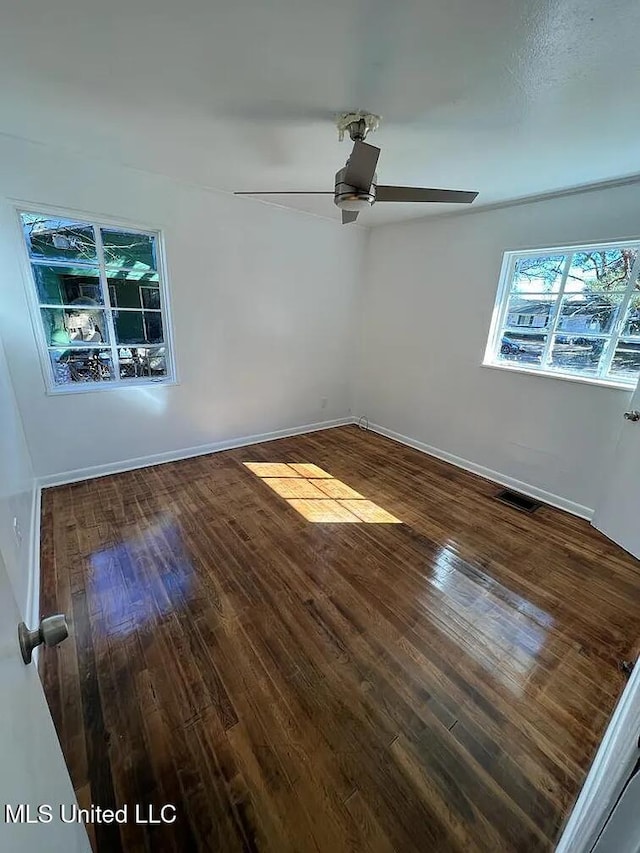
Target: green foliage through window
(101,300)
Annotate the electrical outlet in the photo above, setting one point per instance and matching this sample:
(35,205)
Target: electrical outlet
(17,531)
(323,402)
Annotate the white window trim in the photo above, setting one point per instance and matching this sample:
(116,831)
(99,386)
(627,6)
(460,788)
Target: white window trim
(502,300)
(31,291)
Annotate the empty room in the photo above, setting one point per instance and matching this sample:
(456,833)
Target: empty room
(320,426)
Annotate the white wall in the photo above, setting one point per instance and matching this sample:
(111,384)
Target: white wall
(430,291)
(263,304)
(268,315)
(16,493)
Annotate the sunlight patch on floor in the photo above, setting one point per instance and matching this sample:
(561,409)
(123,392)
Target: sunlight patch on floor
(326,511)
(317,495)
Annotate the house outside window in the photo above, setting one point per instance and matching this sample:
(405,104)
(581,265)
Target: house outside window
(518,319)
(100,303)
(570,312)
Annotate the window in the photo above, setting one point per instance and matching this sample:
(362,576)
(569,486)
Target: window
(571,312)
(101,302)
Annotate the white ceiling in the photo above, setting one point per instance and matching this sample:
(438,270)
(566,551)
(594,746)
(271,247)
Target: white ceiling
(508,97)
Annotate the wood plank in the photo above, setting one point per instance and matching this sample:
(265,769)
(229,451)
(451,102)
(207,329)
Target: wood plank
(292,682)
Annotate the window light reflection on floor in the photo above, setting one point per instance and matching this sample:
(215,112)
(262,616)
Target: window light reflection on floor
(318,496)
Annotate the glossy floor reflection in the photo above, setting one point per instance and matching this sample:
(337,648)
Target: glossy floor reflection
(432,685)
(117,583)
(505,633)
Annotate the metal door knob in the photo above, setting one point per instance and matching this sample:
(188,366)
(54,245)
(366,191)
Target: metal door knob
(51,631)
(633,415)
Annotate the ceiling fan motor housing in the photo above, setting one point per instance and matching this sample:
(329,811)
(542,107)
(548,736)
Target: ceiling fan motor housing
(347,197)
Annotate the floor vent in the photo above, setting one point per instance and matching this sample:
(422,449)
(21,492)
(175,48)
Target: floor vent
(517,501)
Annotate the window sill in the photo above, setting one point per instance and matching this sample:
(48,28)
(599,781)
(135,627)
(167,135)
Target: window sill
(100,387)
(567,377)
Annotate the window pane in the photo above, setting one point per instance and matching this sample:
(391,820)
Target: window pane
(142,361)
(590,313)
(576,354)
(538,275)
(150,296)
(521,348)
(134,289)
(81,365)
(138,327)
(573,330)
(58,238)
(98,289)
(600,271)
(529,311)
(73,325)
(124,249)
(626,360)
(632,320)
(68,285)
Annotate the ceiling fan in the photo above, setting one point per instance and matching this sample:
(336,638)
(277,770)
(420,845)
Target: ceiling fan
(356,186)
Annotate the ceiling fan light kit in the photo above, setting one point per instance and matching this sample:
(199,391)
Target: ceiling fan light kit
(356,186)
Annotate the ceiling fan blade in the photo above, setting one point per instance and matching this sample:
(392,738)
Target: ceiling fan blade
(423,194)
(286,192)
(361,166)
(349,216)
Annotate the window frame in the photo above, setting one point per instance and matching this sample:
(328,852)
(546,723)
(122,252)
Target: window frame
(612,338)
(97,221)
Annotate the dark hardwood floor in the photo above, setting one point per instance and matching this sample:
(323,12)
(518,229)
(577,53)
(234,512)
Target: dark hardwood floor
(432,685)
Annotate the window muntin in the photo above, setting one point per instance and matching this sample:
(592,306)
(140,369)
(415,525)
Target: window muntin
(102,315)
(570,312)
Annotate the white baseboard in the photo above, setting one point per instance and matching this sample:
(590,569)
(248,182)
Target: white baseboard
(229,444)
(496,476)
(185,453)
(599,791)
(33,590)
